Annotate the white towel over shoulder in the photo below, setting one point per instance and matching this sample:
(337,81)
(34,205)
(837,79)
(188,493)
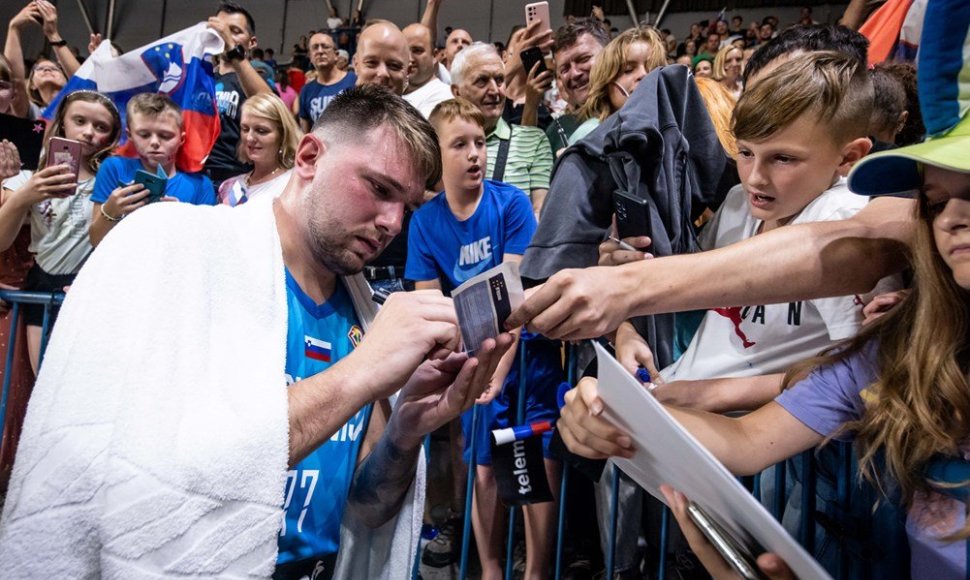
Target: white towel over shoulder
(155,443)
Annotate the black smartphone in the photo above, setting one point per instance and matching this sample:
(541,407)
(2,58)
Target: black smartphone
(632,215)
(153,183)
(530,57)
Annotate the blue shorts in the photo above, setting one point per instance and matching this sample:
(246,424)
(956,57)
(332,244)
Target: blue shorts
(544,374)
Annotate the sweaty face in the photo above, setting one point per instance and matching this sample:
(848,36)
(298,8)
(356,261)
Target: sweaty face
(463,154)
(457,40)
(89,123)
(785,172)
(633,71)
(483,84)
(382,58)
(573,65)
(156,138)
(948,199)
(355,204)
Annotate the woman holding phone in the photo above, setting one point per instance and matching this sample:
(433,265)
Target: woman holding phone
(268,136)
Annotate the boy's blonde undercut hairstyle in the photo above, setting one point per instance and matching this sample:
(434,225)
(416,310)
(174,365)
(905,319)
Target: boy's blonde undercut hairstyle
(153,105)
(447,111)
(829,84)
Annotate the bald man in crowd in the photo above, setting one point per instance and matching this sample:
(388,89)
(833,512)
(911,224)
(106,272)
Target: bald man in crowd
(456,41)
(382,59)
(382,56)
(424,90)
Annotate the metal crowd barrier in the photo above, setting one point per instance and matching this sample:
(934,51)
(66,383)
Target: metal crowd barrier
(807,524)
(16,299)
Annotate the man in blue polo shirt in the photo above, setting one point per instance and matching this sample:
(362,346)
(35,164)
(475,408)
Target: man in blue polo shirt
(330,81)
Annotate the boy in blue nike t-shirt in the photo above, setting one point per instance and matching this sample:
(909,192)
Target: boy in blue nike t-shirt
(473,225)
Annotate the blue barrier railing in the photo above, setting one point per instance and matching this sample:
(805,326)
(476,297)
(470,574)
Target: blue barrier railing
(807,526)
(16,299)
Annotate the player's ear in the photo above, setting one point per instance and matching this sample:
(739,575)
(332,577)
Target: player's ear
(310,149)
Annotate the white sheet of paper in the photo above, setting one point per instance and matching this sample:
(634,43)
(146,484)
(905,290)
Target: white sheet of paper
(666,453)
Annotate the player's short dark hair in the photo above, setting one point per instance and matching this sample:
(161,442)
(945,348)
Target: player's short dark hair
(359,110)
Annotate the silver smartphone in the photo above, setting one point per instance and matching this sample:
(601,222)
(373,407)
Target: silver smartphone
(737,556)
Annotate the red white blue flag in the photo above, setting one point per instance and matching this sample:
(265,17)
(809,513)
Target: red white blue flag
(177,66)
(316,349)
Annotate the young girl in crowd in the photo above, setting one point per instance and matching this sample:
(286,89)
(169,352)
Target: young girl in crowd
(268,136)
(618,70)
(57,203)
(899,389)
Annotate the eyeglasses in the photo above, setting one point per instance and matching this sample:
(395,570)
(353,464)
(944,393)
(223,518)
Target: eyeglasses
(322,47)
(46,69)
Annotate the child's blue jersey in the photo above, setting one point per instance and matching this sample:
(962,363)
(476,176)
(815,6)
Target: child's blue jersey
(442,248)
(319,335)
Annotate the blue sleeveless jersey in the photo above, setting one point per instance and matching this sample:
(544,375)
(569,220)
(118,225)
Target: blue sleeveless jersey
(319,335)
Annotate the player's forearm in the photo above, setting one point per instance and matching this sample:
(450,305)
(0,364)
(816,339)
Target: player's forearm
(321,404)
(382,480)
(792,263)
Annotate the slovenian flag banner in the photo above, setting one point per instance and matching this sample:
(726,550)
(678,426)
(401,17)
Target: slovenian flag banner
(176,66)
(316,349)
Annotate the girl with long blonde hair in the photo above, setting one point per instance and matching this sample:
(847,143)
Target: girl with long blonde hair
(899,390)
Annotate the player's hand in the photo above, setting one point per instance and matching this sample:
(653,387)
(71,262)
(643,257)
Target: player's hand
(583,429)
(770,564)
(125,199)
(55,181)
(577,304)
(410,328)
(441,390)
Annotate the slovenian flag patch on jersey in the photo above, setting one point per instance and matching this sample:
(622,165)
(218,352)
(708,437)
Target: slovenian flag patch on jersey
(316,349)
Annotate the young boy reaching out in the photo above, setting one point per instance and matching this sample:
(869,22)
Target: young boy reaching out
(155,130)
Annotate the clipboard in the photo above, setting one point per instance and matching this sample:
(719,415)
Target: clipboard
(667,453)
(26,135)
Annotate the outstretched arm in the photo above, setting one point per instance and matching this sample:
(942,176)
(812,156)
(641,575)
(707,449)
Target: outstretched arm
(798,262)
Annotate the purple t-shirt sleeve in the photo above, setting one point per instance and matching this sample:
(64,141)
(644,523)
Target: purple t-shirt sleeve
(832,395)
